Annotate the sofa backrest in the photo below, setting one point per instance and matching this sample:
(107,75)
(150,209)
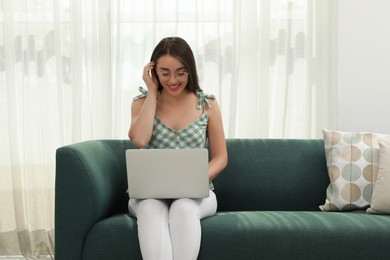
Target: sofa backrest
(273,174)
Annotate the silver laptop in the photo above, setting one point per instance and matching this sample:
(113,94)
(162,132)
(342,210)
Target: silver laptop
(167,173)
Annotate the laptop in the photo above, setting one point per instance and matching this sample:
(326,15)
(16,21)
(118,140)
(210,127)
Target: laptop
(167,173)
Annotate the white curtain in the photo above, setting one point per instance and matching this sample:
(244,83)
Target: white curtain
(55,78)
(269,62)
(69,68)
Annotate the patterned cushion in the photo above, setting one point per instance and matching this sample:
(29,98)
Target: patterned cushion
(353,163)
(380,202)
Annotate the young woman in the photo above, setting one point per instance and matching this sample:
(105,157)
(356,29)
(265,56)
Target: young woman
(174,113)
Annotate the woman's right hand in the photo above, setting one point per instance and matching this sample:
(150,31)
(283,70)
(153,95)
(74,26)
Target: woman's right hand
(149,76)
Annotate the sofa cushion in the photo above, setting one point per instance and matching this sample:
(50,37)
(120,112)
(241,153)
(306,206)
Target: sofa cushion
(271,174)
(115,237)
(248,235)
(294,235)
(380,202)
(352,162)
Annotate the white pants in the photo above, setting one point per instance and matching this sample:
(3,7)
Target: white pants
(170,229)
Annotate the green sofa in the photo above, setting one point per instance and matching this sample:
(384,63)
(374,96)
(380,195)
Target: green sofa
(268,206)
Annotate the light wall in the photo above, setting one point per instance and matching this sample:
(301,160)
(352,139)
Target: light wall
(364,65)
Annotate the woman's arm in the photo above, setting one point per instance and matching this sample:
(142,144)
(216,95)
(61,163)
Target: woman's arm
(143,110)
(142,116)
(217,141)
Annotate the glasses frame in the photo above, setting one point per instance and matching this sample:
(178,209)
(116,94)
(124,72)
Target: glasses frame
(174,74)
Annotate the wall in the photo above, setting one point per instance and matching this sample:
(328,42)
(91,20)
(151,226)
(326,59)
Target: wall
(364,65)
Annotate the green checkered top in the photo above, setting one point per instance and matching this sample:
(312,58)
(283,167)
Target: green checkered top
(193,136)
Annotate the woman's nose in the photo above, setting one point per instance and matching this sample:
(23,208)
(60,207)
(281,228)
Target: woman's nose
(172,78)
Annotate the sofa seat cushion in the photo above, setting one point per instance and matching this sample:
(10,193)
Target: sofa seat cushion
(304,235)
(301,234)
(113,238)
(260,235)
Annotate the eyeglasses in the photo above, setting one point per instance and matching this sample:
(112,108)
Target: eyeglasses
(179,75)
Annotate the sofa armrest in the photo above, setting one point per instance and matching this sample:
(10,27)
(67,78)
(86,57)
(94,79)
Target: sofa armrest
(90,184)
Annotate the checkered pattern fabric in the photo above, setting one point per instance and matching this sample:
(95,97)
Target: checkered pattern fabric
(193,136)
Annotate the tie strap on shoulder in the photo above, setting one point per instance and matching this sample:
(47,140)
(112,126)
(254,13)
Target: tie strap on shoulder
(203,99)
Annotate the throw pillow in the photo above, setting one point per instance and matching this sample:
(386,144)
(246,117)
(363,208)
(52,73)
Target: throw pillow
(380,202)
(352,160)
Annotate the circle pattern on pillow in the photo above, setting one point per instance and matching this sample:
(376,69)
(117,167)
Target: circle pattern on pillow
(352,161)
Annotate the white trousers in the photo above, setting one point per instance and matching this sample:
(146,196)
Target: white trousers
(170,229)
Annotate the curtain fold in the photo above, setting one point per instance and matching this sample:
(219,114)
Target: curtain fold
(282,54)
(69,70)
(244,87)
(26,165)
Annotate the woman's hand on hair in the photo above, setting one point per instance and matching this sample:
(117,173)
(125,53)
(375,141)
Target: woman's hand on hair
(149,77)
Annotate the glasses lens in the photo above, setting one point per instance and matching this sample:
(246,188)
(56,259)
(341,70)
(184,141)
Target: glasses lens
(179,75)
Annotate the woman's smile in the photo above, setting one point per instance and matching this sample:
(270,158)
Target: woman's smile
(174,87)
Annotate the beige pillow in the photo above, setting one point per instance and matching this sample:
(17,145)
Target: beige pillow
(380,202)
(353,162)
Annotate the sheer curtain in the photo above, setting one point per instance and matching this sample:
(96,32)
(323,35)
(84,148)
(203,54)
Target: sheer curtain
(69,68)
(269,62)
(282,58)
(55,78)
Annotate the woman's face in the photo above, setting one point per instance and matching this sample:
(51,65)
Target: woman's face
(172,74)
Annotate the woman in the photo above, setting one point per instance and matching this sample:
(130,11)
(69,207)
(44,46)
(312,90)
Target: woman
(174,113)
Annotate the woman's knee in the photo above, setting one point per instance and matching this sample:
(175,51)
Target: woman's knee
(184,208)
(152,207)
